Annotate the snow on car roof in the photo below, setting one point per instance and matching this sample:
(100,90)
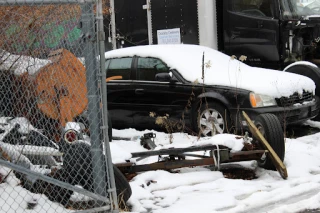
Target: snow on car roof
(220,69)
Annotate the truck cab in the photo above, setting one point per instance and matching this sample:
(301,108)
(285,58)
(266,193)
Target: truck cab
(271,33)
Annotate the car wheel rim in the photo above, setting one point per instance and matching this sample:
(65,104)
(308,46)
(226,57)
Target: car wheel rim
(211,122)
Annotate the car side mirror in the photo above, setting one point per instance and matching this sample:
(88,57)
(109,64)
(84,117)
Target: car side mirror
(163,77)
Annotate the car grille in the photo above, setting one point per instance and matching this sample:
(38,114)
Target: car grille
(294,99)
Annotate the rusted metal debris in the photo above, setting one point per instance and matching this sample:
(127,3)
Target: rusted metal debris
(175,158)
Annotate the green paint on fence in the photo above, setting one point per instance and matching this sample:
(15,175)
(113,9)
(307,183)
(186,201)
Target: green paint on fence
(48,37)
(53,38)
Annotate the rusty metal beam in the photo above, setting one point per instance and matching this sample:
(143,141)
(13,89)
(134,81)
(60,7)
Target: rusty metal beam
(175,164)
(175,151)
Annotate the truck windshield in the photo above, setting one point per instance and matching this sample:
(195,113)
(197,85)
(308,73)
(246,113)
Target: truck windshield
(300,9)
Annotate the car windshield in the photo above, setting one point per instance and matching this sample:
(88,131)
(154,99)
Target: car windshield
(300,9)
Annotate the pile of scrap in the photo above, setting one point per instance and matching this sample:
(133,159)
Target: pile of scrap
(48,97)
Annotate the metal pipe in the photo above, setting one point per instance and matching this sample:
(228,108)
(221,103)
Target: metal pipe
(226,157)
(176,151)
(113,25)
(149,18)
(98,161)
(207,22)
(109,166)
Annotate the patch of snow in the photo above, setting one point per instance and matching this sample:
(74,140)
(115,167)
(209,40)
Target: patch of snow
(228,140)
(25,125)
(14,198)
(199,189)
(35,150)
(74,126)
(15,155)
(311,16)
(119,155)
(79,197)
(304,103)
(21,64)
(311,123)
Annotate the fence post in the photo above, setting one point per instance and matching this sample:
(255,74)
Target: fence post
(147,7)
(90,53)
(109,166)
(113,25)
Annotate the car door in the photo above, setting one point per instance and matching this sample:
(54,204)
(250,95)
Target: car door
(120,91)
(157,98)
(251,29)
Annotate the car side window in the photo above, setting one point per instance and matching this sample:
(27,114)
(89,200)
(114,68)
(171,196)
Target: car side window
(149,67)
(260,8)
(119,67)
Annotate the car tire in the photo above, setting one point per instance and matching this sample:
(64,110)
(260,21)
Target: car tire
(78,164)
(270,127)
(207,114)
(310,72)
(123,187)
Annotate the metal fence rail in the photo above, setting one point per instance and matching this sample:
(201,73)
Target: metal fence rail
(51,102)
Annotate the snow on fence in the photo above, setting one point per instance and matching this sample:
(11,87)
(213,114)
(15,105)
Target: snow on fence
(54,147)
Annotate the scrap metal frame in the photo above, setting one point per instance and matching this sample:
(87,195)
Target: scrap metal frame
(177,158)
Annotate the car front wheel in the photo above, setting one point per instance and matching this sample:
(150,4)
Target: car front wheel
(211,119)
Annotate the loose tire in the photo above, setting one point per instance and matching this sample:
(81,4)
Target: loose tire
(212,119)
(123,187)
(310,72)
(77,163)
(270,127)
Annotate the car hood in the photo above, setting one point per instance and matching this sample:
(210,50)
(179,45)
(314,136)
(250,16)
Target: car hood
(221,69)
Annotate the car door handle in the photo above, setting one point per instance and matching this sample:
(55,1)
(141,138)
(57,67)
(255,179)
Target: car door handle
(139,91)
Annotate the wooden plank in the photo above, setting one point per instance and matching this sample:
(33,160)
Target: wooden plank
(273,155)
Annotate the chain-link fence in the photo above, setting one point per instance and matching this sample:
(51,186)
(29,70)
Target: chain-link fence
(52,116)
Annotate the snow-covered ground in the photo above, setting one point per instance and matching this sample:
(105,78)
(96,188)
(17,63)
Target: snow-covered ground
(201,189)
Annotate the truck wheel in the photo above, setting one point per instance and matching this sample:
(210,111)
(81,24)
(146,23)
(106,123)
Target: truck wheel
(310,72)
(212,119)
(270,127)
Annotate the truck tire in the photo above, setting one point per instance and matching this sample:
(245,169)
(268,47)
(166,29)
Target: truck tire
(207,114)
(310,72)
(77,163)
(123,187)
(270,127)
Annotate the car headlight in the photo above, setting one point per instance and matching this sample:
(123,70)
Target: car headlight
(258,100)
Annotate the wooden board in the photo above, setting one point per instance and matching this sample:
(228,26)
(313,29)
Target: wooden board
(273,155)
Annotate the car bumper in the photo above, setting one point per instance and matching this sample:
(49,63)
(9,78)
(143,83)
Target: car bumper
(286,115)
